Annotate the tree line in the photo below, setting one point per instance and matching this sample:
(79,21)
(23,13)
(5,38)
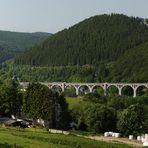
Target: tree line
(100,114)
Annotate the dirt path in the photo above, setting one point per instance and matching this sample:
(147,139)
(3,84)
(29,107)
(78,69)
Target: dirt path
(134,143)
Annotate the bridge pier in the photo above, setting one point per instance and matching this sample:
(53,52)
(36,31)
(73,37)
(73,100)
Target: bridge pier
(63,87)
(105,89)
(135,94)
(90,89)
(120,91)
(77,90)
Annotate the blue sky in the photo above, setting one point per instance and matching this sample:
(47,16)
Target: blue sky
(55,15)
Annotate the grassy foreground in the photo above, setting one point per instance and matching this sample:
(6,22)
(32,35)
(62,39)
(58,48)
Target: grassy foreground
(40,138)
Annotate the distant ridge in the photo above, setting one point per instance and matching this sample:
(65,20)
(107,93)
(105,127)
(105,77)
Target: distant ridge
(12,43)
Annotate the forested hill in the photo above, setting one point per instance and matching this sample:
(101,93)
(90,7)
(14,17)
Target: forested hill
(12,43)
(132,66)
(102,38)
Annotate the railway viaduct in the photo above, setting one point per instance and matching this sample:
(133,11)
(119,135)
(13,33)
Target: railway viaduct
(91,86)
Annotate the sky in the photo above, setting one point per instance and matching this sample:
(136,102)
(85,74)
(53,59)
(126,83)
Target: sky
(54,15)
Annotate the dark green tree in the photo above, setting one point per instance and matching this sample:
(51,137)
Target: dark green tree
(10,98)
(40,102)
(100,118)
(132,119)
(61,112)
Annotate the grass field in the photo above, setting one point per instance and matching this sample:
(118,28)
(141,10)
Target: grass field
(73,101)
(40,138)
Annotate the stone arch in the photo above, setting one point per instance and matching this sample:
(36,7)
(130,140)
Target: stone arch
(127,90)
(112,90)
(142,90)
(83,89)
(49,86)
(98,89)
(56,88)
(70,91)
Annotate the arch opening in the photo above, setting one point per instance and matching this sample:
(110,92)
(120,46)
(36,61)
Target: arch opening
(112,91)
(142,91)
(98,90)
(83,90)
(70,91)
(127,91)
(57,88)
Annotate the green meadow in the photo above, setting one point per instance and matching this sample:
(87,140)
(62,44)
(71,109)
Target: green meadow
(73,101)
(41,138)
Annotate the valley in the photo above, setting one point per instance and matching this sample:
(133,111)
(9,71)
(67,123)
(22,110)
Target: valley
(88,79)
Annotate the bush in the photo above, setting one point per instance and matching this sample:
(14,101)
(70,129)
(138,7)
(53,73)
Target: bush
(100,118)
(131,120)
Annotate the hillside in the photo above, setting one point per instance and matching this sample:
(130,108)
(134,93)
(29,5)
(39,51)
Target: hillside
(132,66)
(105,48)
(98,39)
(12,43)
